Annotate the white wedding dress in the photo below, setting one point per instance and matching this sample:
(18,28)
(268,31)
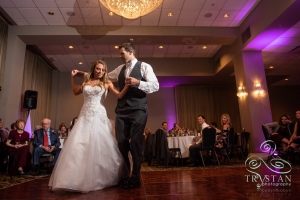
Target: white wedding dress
(90,159)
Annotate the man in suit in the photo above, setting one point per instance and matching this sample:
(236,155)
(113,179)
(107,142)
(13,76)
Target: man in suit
(131,110)
(46,140)
(197,145)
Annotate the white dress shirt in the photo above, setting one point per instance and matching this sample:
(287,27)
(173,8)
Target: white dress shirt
(203,126)
(150,85)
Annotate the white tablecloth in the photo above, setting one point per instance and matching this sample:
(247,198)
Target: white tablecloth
(181,142)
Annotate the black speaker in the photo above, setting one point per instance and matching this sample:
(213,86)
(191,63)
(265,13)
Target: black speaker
(30,99)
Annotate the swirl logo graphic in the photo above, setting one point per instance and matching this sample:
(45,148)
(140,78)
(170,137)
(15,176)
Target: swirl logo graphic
(278,166)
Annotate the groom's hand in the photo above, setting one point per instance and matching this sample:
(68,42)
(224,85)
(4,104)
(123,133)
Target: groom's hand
(132,81)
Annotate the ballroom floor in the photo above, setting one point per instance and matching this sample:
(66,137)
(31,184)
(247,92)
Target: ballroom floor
(179,183)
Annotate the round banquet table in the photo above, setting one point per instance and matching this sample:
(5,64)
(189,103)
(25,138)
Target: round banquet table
(181,142)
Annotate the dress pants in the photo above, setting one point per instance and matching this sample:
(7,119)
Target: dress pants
(38,151)
(194,152)
(130,125)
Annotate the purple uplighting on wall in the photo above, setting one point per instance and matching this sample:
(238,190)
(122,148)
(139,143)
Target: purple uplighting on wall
(264,39)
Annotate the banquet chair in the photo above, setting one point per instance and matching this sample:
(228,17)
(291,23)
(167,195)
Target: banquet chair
(161,151)
(208,144)
(242,148)
(177,153)
(232,147)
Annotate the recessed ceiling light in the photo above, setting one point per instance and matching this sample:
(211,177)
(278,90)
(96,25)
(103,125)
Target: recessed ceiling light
(271,67)
(116,47)
(161,47)
(170,14)
(50,13)
(204,47)
(208,15)
(111,13)
(286,79)
(226,15)
(80,63)
(70,13)
(71,47)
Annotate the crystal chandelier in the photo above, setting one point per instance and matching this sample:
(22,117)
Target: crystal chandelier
(131,9)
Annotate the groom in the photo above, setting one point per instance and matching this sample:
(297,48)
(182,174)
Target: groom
(131,110)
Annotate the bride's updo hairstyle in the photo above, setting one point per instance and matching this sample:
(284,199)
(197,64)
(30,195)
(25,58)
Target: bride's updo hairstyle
(103,80)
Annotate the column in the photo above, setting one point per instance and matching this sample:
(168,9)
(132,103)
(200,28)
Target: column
(255,107)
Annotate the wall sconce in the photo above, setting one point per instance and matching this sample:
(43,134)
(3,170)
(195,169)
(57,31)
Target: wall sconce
(241,92)
(258,90)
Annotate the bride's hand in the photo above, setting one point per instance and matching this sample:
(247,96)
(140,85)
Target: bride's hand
(74,72)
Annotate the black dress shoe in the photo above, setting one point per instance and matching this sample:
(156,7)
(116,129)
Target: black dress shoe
(193,165)
(35,173)
(131,185)
(20,172)
(123,182)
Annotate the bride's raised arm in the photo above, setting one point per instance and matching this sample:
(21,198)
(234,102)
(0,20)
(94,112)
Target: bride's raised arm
(77,89)
(114,91)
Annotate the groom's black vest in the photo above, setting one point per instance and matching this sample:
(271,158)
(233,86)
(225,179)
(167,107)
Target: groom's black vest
(134,96)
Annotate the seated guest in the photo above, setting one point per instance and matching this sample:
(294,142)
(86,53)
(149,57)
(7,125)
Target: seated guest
(74,120)
(3,151)
(17,142)
(147,146)
(63,132)
(4,132)
(294,141)
(196,146)
(282,134)
(46,140)
(176,129)
(226,126)
(61,125)
(13,126)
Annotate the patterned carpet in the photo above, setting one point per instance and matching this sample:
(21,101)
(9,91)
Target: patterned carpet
(5,180)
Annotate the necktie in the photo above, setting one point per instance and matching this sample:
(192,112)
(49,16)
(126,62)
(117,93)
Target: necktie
(127,70)
(46,143)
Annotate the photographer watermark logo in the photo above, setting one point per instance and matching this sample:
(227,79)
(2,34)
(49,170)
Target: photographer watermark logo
(280,168)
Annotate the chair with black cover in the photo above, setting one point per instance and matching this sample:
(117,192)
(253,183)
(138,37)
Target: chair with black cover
(208,144)
(6,160)
(242,146)
(275,150)
(45,157)
(160,148)
(233,148)
(148,148)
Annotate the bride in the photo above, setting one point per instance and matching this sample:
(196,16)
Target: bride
(90,160)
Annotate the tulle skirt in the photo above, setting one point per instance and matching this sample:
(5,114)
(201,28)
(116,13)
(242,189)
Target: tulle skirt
(90,159)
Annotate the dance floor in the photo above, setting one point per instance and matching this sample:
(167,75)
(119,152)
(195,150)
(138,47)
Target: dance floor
(181,183)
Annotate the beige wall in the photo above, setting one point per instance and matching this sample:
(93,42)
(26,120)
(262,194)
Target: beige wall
(65,105)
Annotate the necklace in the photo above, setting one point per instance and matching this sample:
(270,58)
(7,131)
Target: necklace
(20,133)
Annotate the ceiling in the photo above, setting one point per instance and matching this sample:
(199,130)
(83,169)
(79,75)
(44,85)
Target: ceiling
(194,24)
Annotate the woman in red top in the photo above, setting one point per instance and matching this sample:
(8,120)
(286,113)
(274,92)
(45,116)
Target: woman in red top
(18,142)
